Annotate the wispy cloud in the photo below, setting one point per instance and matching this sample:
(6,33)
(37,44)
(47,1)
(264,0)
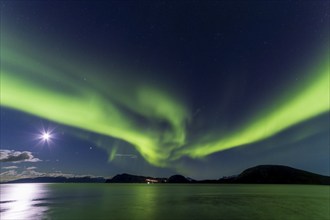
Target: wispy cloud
(9,168)
(13,175)
(8,173)
(17,156)
(31,173)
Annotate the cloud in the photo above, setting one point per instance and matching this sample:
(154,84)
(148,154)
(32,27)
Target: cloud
(31,173)
(17,156)
(13,175)
(8,175)
(31,168)
(9,168)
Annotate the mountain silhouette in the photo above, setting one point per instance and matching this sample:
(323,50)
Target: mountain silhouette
(262,174)
(276,174)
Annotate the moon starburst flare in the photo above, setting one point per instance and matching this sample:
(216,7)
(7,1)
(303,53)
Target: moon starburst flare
(46,136)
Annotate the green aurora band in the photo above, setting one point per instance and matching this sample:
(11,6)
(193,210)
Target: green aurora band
(307,102)
(49,87)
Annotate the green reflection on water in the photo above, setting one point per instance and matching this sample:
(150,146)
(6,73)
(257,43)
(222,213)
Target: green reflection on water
(162,201)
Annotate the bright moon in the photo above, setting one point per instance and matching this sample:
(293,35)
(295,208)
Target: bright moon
(46,136)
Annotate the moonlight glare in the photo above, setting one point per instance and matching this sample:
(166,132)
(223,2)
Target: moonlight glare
(46,136)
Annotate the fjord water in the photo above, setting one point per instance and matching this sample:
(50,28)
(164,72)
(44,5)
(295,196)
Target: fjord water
(163,201)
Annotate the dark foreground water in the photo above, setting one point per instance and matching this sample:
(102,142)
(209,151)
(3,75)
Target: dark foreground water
(163,201)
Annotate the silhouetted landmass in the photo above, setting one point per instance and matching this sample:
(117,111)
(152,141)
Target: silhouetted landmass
(60,179)
(128,178)
(276,174)
(179,179)
(262,174)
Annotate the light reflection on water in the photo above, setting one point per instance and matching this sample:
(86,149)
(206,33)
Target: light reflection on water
(163,201)
(22,201)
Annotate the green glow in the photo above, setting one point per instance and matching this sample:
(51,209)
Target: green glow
(307,103)
(31,84)
(146,116)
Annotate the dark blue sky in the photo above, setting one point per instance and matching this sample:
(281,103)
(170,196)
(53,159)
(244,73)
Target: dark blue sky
(192,82)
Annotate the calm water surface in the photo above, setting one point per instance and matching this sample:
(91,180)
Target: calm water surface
(163,201)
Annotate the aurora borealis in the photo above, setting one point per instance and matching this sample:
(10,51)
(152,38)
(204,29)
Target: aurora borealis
(174,90)
(93,106)
(308,103)
(87,108)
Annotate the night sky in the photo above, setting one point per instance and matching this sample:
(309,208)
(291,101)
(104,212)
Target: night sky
(201,88)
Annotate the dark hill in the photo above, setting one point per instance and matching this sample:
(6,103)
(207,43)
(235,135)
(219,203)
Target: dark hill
(262,174)
(178,179)
(128,178)
(277,174)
